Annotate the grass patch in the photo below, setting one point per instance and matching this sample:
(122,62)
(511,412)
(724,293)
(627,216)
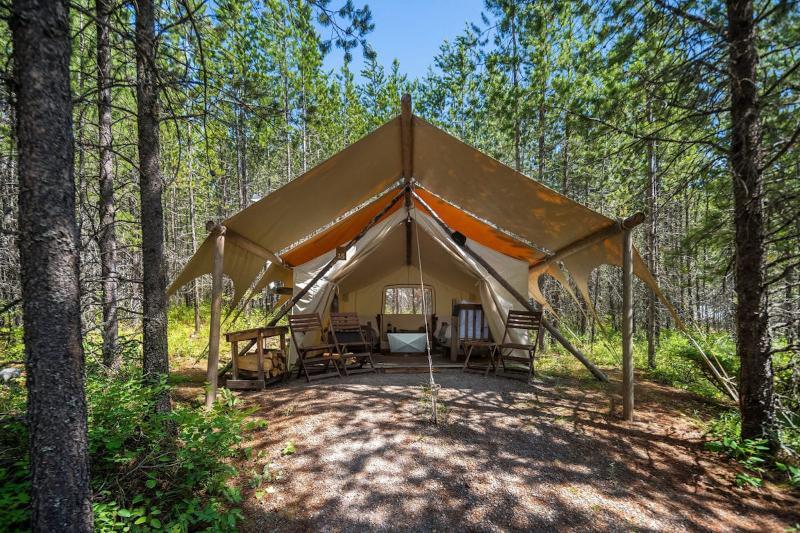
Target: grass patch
(677,360)
(426,405)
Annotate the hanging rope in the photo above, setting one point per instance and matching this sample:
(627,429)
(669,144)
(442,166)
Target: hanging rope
(434,387)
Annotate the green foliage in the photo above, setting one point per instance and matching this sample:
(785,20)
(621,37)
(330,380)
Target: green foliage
(792,473)
(288,449)
(14,482)
(678,362)
(752,454)
(149,470)
(11,346)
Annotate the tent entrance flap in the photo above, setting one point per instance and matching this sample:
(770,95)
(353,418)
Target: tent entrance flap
(596,372)
(379,255)
(285,308)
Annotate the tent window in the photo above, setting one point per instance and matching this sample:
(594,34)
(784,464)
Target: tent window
(407,300)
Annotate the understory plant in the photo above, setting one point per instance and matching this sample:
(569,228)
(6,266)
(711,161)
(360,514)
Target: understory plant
(150,471)
(753,455)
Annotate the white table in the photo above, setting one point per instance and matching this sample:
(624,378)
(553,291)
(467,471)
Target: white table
(406,342)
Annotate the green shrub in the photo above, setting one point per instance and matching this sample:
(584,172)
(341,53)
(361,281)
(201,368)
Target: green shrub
(14,484)
(752,454)
(680,364)
(149,471)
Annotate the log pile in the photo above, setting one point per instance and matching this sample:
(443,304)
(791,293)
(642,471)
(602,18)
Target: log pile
(274,363)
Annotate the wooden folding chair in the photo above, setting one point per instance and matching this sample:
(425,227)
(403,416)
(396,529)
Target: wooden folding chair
(473,332)
(317,358)
(351,343)
(528,322)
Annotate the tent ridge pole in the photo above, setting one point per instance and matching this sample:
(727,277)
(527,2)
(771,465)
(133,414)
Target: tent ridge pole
(596,372)
(406,152)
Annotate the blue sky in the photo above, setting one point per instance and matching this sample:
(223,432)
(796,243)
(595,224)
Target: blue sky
(411,31)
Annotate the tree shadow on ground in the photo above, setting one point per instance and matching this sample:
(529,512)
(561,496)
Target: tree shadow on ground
(510,456)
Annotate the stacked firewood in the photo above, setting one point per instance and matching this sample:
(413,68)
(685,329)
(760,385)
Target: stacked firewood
(274,363)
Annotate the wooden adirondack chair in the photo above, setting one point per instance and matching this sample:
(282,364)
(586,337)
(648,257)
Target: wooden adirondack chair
(523,321)
(473,333)
(318,358)
(351,343)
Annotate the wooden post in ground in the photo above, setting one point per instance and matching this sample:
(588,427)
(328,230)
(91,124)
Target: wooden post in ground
(627,326)
(216,312)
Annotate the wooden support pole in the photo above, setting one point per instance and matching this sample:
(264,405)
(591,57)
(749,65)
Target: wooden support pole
(254,248)
(216,314)
(627,326)
(599,235)
(454,330)
(407,151)
(406,139)
(408,242)
(596,372)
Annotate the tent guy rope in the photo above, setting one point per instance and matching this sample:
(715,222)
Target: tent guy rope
(433,385)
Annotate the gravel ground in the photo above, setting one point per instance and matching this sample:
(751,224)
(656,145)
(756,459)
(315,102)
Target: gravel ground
(509,457)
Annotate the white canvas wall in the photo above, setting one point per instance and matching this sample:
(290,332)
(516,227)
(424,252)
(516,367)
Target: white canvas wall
(379,258)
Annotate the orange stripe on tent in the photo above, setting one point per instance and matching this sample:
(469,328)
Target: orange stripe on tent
(342,232)
(476,230)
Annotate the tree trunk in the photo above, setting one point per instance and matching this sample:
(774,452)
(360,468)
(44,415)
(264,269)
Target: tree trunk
(193,226)
(241,159)
(154,275)
(287,118)
(753,341)
(304,97)
(652,251)
(515,88)
(48,247)
(542,124)
(107,237)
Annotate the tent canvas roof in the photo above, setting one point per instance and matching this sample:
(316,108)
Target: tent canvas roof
(487,201)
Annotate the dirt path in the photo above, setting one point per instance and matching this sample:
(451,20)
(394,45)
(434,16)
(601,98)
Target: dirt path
(509,457)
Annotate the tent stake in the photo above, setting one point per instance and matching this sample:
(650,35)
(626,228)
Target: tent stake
(461,242)
(216,311)
(627,326)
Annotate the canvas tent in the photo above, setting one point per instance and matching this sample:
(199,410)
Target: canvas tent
(364,204)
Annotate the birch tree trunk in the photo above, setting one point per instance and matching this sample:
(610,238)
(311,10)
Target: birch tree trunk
(48,246)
